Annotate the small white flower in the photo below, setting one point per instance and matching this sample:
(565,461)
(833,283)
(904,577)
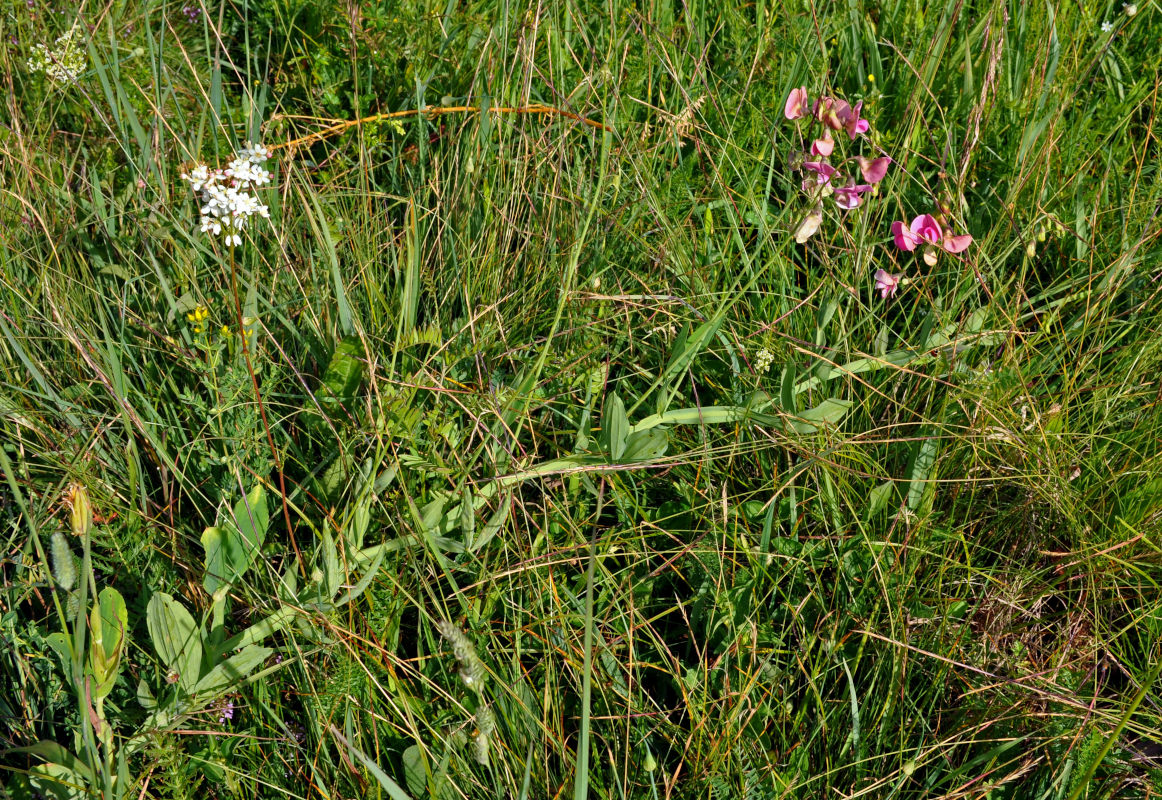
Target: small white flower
(227,203)
(65,62)
(1107,26)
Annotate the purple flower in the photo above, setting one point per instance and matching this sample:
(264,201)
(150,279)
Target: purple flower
(850,196)
(226,712)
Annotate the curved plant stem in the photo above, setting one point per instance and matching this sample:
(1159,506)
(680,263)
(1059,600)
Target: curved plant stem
(343,125)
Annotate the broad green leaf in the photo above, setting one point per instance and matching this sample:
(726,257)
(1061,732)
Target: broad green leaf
(878,498)
(58,782)
(922,463)
(393,789)
(55,754)
(614,428)
(145,696)
(415,772)
(829,412)
(495,522)
(645,446)
(231,549)
(176,639)
(233,670)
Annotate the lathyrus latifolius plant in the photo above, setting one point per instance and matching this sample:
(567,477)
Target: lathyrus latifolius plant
(821,178)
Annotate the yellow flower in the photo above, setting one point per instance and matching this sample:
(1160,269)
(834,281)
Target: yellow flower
(871,78)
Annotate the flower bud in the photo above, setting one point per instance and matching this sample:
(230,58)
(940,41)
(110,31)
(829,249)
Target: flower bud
(82,517)
(1031,249)
(1130,8)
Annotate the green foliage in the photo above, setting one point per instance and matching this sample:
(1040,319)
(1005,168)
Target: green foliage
(517,457)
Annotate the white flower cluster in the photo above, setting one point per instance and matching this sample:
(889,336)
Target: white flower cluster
(65,62)
(227,201)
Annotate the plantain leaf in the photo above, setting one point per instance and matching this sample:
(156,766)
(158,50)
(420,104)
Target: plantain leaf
(231,549)
(176,639)
(614,428)
(341,379)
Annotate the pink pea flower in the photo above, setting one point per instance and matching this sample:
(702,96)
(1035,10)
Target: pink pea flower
(809,225)
(822,180)
(873,169)
(797,102)
(823,145)
(924,228)
(831,112)
(886,283)
(851,121)
(850,196)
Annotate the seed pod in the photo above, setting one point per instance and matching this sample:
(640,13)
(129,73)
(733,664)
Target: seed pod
(63,568)
(82,511)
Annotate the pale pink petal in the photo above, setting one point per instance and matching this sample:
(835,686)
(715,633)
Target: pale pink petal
(796,105)
(874,169)
(852,122)
(822,167)
(831,112)
(850,196)
(823,146)
(847,200)
(886,283)
(809,225)
(956,244)
(905,239)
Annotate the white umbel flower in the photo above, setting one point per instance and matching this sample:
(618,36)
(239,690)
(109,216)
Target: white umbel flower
(65,62)
(227,202)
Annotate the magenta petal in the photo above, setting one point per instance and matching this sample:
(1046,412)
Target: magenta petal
(874,169)
(905,239)
(955,244)
(823,168)
(927,228)
(796,105)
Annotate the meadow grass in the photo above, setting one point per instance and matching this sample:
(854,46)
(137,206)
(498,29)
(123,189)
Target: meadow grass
(524,452)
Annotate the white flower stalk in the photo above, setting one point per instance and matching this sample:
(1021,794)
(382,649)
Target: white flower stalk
(226,194)
(65,62)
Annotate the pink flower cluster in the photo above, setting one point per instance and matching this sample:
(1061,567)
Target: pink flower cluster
(822,179)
